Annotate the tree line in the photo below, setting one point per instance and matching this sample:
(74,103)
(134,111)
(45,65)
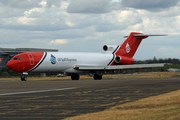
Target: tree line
(160,60)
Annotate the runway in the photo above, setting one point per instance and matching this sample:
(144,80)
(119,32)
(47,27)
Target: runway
(66,98)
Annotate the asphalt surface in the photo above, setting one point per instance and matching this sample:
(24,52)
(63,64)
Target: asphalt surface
(62,99)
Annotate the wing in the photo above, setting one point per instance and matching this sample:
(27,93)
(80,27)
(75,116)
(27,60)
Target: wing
(116,67)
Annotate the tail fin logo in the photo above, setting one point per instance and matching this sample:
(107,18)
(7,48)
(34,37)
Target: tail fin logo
(53,59)
(128,49)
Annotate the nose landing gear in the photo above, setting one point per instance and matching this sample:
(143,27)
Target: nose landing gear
(23,78)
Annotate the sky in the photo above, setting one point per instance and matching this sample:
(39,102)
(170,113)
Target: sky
(87,25)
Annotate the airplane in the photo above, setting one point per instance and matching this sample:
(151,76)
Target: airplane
(73,64)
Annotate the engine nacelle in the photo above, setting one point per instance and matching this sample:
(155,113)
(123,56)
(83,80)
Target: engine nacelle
(117,59)
(110,47)
(124,60)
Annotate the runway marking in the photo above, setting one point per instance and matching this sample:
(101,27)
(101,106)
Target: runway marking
(38,91)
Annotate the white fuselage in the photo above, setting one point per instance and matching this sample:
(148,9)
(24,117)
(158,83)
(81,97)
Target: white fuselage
(65,61)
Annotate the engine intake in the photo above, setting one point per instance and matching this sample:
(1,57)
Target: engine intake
(109,47)
(118,59)
(123,60)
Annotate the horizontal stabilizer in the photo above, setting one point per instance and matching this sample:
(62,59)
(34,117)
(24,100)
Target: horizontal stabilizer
(142,35)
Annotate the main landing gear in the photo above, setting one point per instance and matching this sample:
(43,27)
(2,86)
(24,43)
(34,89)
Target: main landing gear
(97,77)
(74,76)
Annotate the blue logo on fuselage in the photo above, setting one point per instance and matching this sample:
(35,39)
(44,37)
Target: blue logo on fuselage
(53,59)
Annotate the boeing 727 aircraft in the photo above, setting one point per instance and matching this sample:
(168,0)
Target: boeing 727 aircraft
(76,63)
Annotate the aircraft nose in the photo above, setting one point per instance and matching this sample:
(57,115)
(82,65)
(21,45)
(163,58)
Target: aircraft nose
(15,64)
(12,65)
(25,62)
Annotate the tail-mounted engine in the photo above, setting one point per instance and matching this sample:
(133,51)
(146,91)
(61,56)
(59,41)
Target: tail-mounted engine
(110,48)
(123,60)
(117,59)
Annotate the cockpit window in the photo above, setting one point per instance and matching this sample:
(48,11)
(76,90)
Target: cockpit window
(17,58)
(20,58)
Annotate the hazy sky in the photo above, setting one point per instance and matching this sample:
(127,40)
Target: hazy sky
(87,25)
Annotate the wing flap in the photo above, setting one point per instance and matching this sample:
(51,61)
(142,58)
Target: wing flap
(89,67)
(116,67)
(133,66)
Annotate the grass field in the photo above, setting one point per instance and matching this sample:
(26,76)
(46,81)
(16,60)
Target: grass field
(161,107)
(109,76)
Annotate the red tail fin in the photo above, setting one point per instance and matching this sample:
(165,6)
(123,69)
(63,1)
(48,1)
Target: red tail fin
(130,45)
(126,51)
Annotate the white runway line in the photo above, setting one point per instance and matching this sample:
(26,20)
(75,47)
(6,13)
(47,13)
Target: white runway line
(38,91)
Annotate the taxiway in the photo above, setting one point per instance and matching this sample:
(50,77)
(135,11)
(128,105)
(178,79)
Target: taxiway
(66,98)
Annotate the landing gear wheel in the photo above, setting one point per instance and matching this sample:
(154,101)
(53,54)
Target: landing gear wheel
(23,78)
(97,77)
(74,77)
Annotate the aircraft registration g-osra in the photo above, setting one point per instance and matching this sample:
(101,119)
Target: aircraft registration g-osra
(75,63)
